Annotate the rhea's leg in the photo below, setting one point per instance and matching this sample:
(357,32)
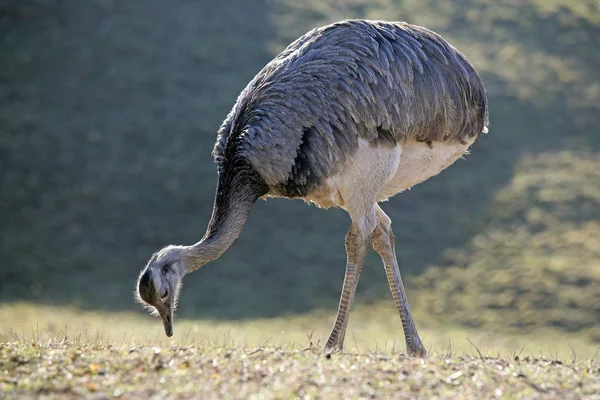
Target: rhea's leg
(384,242)
(358,185)
(358,240)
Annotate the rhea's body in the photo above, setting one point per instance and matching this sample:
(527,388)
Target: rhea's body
(390,85)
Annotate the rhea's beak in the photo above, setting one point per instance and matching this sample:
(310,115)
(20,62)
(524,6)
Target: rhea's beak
(166,313)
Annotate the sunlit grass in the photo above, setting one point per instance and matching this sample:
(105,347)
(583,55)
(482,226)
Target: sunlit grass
(371,328)
(537,263)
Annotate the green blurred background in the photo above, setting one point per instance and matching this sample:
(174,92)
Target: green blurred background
(108,115)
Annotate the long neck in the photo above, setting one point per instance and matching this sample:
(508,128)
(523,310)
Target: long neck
(233,201)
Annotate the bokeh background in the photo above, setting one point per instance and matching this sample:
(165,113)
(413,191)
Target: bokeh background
(108,115)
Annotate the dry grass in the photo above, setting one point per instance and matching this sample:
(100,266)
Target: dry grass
(54,352)
(372,328)
(73,368)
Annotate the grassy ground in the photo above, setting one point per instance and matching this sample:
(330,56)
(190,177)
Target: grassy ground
(61,352)
(371,328)
(72,368)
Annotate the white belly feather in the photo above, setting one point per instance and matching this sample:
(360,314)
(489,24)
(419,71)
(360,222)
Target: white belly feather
(389,170)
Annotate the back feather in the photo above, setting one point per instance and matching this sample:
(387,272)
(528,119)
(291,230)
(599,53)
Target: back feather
(384,82)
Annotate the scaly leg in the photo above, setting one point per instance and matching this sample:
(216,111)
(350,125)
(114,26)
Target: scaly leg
(357,248)
(384,242)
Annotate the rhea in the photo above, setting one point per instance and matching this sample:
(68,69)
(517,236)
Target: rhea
(347,116)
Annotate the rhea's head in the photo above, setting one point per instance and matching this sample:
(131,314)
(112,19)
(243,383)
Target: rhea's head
(160,282)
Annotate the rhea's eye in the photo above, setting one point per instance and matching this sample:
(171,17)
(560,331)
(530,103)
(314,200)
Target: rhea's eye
(164,294)
(166,269)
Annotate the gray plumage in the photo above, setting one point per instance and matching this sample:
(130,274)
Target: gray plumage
(301,116)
